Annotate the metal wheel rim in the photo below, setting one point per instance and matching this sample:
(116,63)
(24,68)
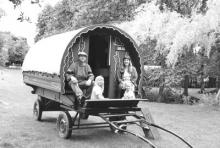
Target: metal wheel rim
(63,126)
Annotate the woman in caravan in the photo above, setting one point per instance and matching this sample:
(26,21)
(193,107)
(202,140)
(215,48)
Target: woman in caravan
(126,75)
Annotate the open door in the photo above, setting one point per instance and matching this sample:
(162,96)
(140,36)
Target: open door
(98,58)
(105,56)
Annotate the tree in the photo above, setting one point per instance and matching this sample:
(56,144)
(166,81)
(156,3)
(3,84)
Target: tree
(3,54)
(73,14)
(16,2)
(3,58)
(185,7)
(17,52)
(212,68)
(2,12)
(45,24)
(12,49)
(173,32)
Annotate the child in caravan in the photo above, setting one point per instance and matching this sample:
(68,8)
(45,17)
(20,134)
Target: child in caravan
(98,89)
(129,90)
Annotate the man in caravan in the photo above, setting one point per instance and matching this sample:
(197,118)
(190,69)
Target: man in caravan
(80,77)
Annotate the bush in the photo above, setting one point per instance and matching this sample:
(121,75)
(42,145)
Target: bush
(149,94)
(171,97)
(209,100)
(3,58)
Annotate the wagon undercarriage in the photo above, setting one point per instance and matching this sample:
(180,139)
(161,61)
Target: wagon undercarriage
(116,114)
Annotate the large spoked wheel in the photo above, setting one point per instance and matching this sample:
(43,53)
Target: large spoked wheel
(64,125)
(37,110)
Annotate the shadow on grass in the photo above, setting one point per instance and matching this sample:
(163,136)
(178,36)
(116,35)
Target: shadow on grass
(49,120)
(6,145)
(89,135)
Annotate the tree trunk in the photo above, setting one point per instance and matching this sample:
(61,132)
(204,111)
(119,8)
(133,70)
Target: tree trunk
(186,85)
(161,89)
(161,96)
(218,98)
(217,82)
(202,62)
(202,89)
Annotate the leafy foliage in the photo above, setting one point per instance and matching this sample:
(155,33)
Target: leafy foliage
(212,67)
(17,51)
(12,49)
(16,2)
(3,54)
(2,12)
(185,7)
(3,58)
(72,14)
(173,32)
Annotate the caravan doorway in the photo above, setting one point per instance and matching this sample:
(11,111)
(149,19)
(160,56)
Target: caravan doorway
(99,58)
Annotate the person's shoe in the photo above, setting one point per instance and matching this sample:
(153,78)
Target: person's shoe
(82,101)
(78,101)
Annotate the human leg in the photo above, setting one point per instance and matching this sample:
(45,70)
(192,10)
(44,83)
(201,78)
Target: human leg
(87,90)
(76,89)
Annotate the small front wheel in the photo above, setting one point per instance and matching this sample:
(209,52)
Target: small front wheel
(64,125)
(37,110)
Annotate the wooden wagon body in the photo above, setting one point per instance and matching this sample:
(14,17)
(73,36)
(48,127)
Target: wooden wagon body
(47,62)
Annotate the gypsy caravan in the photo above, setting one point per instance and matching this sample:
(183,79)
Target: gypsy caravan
(105,45)
(45,67)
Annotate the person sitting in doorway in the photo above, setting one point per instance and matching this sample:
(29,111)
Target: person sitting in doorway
(129,90)
(126,74)
(98,89)
(80,77)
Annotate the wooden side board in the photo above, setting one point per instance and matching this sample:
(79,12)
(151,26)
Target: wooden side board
(51,82)
(67,100)
(48,86)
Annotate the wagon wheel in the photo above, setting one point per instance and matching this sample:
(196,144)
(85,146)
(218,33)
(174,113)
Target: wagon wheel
(64,125)
(37,110)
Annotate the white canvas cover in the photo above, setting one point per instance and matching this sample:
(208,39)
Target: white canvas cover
(46,55)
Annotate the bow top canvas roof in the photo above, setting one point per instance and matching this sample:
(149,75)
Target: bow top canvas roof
(46,55)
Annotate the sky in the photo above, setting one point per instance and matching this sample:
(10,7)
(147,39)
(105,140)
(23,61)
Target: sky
(9,21)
